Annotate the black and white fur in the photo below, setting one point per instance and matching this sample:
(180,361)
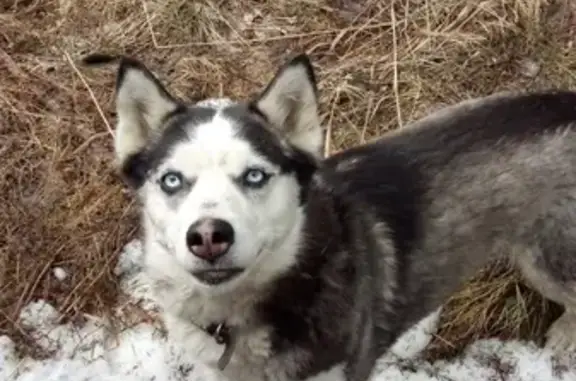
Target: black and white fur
(335,258)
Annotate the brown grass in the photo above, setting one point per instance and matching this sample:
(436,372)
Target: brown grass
(381,65)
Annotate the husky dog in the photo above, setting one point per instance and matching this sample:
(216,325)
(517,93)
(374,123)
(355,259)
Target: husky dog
(271,262)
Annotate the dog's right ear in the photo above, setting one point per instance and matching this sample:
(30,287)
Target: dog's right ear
(142,107)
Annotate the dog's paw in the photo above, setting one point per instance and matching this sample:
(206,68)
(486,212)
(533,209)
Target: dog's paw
(259,343)
(561,337)
(193,343)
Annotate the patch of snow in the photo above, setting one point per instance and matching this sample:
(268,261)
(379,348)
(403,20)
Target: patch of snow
(138,356)
(485,360)
(38,315)
(90,353)
(60,273)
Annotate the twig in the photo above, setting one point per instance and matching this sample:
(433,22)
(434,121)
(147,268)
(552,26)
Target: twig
(92,96)
(87,142)
(149,24)
(395,62)
(30,288)
(445,341)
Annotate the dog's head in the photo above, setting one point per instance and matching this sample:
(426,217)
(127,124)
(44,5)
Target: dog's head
(222,184)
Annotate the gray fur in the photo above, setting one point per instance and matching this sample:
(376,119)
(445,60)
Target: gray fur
(499,180)
(388,230)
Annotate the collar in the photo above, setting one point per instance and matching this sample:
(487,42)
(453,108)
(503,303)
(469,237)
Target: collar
(220,332)
(223,335)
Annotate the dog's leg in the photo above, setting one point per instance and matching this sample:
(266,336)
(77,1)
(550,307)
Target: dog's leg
(194,344)
(561,336)
(550,267)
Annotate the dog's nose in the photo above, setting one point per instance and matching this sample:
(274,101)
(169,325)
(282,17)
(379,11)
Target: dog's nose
(210,238)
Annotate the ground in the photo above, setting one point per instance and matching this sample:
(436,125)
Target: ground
(381,63)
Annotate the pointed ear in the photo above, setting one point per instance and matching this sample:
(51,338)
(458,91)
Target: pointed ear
(290,104)
(142,106)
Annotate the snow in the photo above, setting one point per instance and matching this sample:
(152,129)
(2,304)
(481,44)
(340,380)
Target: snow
(60,273)
(89,352)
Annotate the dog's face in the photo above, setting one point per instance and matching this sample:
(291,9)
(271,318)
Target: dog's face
(222,184)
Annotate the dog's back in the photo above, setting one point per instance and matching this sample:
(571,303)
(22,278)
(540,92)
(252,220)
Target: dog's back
(490,177)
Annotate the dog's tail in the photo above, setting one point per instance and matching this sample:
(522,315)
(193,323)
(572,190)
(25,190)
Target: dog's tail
(98,59)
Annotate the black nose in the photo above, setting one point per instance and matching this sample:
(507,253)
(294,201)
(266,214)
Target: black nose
(210,238)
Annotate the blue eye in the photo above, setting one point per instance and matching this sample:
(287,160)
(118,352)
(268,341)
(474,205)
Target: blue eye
(171,182)
(254,177)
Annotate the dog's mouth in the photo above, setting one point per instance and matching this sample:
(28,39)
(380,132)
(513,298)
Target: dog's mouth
(217,276)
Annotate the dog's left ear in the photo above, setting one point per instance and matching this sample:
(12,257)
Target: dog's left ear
(290,103)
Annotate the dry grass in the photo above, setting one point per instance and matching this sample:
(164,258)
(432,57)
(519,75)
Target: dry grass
(381,65)
(496,303)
